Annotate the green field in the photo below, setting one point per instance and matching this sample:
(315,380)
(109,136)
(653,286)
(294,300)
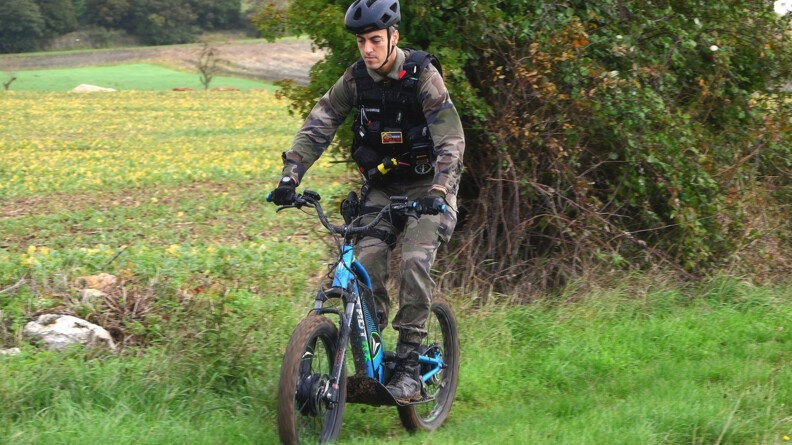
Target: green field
(135,76)
(166,191)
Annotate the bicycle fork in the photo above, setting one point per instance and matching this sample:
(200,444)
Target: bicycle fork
(331,394)
(368,357)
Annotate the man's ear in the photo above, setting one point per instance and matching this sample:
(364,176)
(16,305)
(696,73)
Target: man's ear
(395,37)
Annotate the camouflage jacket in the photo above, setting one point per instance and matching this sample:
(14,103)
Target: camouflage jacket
(331,110)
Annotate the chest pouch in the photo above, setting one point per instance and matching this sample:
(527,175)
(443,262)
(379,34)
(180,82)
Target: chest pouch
(422,154)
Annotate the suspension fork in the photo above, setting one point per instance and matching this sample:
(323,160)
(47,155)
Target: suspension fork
(332,393)
(352,323)
(354,281)
(347,272)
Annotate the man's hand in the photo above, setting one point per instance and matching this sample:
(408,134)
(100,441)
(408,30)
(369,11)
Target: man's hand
(431,203)
(285,193)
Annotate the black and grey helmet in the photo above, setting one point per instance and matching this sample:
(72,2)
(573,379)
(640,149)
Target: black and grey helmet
(367,15)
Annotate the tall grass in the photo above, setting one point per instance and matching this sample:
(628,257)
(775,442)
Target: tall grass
(611,369)
(701,366)
(166,190)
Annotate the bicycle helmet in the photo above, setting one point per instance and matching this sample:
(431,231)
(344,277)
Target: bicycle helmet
(367,15)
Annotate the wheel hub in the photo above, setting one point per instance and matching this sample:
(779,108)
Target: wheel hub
(309,395)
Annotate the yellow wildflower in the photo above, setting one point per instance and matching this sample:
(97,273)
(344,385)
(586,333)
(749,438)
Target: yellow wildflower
(173,249)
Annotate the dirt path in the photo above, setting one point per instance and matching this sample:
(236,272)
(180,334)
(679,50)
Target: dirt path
(286,59)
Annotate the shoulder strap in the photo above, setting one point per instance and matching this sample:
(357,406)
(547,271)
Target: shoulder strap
(359,69)
(417,61)
(363,81)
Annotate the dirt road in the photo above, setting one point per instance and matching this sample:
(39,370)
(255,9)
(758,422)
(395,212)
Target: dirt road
(286,59)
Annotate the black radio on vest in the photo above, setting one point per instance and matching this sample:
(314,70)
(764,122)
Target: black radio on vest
(391,137)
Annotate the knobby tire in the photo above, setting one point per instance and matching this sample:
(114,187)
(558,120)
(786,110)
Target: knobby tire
(303,418)
(442,332)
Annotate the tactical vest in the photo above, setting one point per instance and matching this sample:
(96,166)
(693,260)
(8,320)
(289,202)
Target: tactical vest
(391,137)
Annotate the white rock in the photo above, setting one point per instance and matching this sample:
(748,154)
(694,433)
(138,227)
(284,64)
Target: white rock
(85,88)
(57,332)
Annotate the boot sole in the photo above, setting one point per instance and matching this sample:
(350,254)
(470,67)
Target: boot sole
(411,399)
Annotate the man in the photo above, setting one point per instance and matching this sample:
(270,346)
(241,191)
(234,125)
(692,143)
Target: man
(408,141)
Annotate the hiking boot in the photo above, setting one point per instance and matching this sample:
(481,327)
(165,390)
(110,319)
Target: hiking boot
(405,386)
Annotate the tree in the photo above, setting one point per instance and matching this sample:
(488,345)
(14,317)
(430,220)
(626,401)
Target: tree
(217,14)
(108,13)
(78,6)
(163,22)
(21,26)
(270,21)
(59,17)
(208,59)
(604,133)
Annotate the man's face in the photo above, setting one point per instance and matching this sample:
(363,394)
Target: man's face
(373,47)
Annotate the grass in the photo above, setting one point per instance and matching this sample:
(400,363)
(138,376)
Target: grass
(165,190)
(125,77)
(613,369)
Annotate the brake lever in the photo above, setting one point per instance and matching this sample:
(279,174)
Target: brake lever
(299,202)
(290,206)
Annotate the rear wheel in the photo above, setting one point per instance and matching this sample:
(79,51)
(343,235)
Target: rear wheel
(441,342)
(303,414)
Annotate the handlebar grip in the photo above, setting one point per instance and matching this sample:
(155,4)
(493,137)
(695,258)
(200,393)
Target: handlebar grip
(437,207)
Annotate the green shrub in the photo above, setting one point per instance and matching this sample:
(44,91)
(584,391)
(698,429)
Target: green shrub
(600,134)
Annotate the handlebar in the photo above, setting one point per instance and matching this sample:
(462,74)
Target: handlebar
(311,198)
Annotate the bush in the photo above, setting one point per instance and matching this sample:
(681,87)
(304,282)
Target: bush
(604,133)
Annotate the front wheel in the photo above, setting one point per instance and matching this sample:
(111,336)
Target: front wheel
(442,341)
(304,416)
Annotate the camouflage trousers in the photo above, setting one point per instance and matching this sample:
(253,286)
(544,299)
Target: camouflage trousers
(419,239)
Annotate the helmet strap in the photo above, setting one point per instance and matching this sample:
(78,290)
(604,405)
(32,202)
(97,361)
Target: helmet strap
(390,49)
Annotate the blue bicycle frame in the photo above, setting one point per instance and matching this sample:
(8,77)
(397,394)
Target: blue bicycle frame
(365,335)
(359,318)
